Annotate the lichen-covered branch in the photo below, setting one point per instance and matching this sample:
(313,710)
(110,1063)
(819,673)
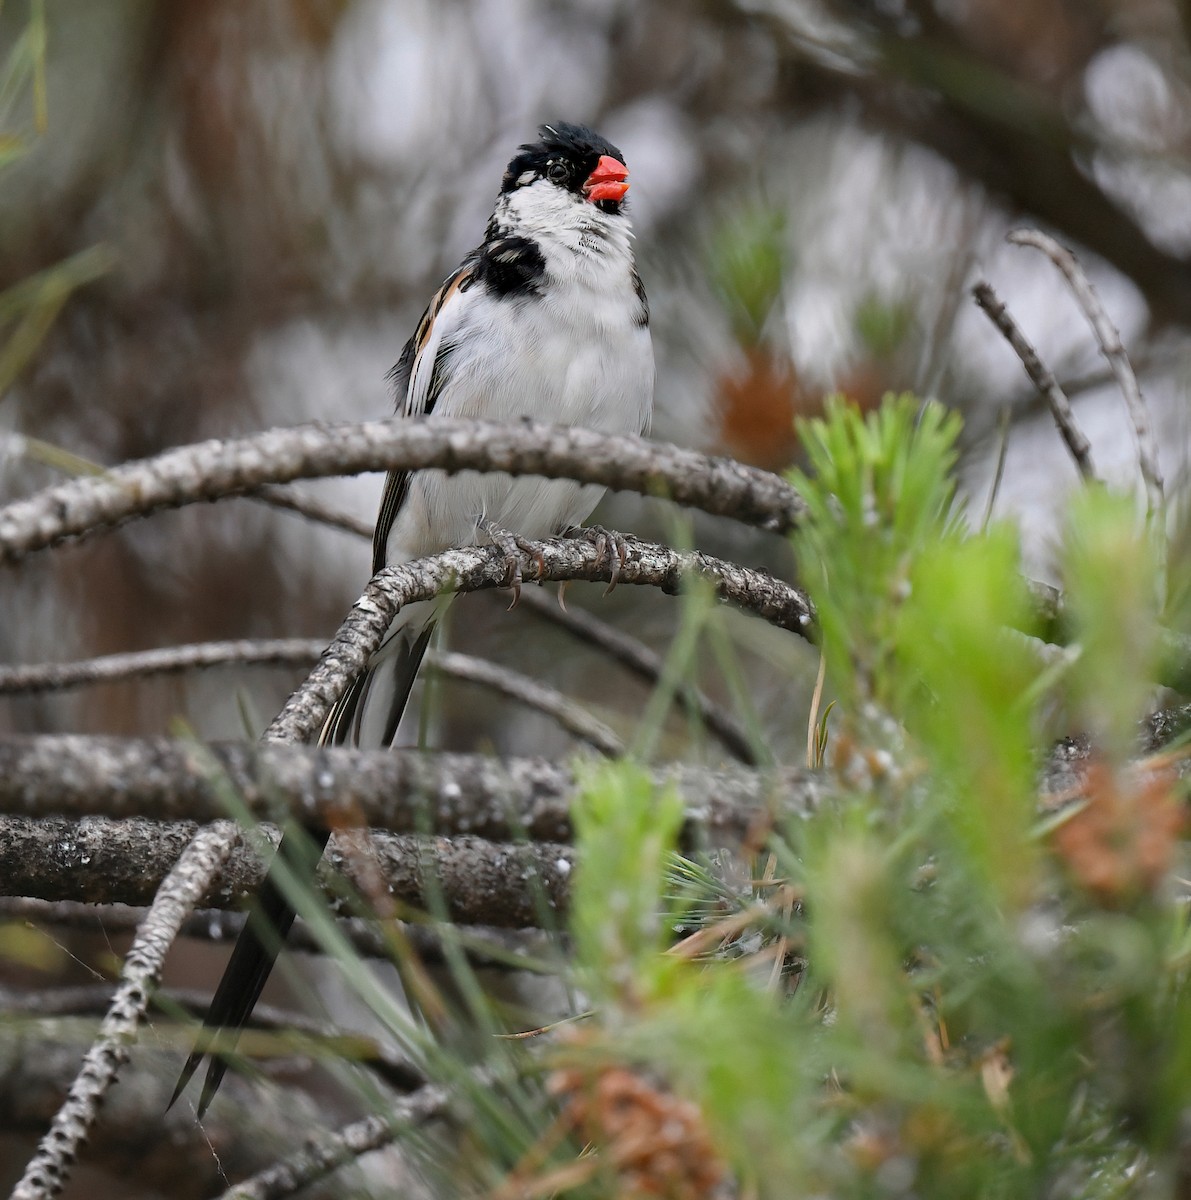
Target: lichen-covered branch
(99,861)
(403,791)
(230,467)
(478,567)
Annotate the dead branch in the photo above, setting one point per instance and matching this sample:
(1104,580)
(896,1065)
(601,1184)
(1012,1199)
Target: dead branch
(312,509)
(1113,349)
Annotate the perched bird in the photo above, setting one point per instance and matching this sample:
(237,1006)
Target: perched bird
(545,319)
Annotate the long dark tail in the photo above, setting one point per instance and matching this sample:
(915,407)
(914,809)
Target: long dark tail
(374,702)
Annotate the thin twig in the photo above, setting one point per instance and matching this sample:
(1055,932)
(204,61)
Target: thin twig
(109,668)
(572,717)
(314,510)
(217,469)
(638,658)
(487,948)
(1041,375)
(48,1170)
(279,1031)
(302,652)
(315,1162)
(1113,349)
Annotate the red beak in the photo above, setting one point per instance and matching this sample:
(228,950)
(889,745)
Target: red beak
(607,181)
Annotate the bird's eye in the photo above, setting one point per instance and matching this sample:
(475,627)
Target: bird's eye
(556,172)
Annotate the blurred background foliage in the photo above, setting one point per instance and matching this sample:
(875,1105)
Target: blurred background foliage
(216,218)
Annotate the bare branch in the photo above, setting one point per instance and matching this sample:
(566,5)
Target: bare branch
(403,791)
(479,882)
(643,662)
(315,1162)
(1041,375)
(1113,349)
(478,567)
(219,468)
(48,1170)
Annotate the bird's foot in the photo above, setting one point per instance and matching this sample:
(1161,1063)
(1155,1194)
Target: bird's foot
(513,547)
(613,548)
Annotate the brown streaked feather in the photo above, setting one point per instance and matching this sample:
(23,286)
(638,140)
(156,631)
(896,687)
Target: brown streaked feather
(397,482)
(402,374)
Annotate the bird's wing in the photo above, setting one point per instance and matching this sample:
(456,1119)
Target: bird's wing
(418,380)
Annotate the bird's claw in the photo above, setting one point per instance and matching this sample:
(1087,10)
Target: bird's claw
(513,547)
(611,546)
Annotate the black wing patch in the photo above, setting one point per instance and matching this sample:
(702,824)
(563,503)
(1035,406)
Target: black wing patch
(511,266)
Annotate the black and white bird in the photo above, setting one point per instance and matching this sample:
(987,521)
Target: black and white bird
(546,319)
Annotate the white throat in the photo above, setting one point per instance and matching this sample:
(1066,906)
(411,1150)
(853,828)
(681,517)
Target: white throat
(580,243)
